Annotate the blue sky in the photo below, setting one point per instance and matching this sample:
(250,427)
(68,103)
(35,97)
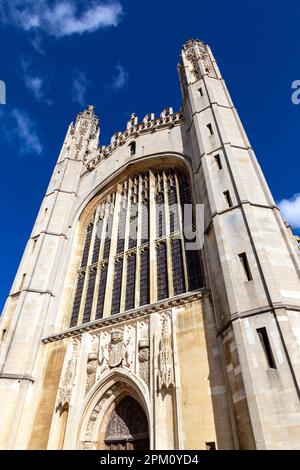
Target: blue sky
(121,56)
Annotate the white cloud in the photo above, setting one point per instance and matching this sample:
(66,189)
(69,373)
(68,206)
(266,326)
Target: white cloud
(121,77)
(34,82)
(62,18)
(79,87)
(35,85)
(37,43)
(17,126)
(290,209)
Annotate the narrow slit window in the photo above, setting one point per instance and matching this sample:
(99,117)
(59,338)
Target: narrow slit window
(246,267)
(200,91)
(22,281)
(3,335)
(44,214)
(218,161)
(228,198)
(132,148)
(210,129)
(264,339)
(33,244)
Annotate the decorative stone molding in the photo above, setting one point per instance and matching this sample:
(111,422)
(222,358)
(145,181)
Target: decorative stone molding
(149,124)
(144,359)
(118,352)
(166,369)
(65,388)
(88,443)
(94,415)
(86,118)
(115,348)
(190,53)
(196,52)
(129,315)
(91,370)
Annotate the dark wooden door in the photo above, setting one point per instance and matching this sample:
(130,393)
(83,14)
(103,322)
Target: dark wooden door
(127,428)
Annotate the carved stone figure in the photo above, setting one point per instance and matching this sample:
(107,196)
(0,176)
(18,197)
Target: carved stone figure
(144,356)
(65,389)
(91,370)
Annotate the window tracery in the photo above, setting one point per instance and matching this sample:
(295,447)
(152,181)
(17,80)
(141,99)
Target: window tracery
(115,275)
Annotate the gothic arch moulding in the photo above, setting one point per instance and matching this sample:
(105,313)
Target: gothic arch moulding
(88,202)
(100,402)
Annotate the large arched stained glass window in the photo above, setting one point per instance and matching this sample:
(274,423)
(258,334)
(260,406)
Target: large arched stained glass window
(137,228)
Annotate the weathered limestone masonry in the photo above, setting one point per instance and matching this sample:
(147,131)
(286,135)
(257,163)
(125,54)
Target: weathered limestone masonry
(111,342)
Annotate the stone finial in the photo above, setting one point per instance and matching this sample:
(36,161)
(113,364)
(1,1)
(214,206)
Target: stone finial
(149,117)
(132,121)
(87,113)
(166,112)
(115,136)
(192,42)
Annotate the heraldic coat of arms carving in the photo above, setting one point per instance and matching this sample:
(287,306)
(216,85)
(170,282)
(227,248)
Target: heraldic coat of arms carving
(116,349)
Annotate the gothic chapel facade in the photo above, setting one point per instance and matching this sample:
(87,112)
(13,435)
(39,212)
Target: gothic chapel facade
(115,335)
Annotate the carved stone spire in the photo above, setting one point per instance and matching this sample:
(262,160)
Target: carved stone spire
(197,61)
(85,134)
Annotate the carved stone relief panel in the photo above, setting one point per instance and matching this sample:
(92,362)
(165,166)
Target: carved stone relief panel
(144,350)
(165,360)
(125,346)
(91,369)
(68,376)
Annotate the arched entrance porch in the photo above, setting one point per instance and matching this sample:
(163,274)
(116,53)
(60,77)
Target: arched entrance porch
(116,415)
(127,427)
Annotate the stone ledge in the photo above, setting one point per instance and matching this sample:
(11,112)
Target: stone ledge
(17,377)
(129,314)
(257,311)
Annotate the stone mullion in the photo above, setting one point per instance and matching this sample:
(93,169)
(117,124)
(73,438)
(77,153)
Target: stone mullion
(87,276)
(152,237)
(168,238)
(126,244)
(138,243)
(113,249)
(102,241)
(181,228)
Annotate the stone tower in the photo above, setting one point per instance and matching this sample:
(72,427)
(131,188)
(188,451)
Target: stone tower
(117,335)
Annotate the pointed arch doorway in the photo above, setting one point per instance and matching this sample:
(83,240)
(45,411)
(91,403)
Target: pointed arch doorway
(127,427)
